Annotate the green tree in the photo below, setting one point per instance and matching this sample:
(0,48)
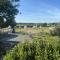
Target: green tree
(1,22)
(8,11)
(57,29)
(44,24)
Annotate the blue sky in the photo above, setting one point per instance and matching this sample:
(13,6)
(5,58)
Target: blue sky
(37,11)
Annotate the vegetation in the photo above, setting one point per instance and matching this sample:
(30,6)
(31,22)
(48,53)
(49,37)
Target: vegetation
(42,47)
(38,24)
(1,21)
(8,11)
(45,43)
(56,30)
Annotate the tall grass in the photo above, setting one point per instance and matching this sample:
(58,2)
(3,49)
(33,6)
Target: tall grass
(42,48)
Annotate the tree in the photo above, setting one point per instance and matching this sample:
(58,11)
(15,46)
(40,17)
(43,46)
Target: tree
(1,21)
(56,30)
(8,11)
(44,24)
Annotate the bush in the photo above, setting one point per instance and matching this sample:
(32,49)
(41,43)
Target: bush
(39,49)
(56,30)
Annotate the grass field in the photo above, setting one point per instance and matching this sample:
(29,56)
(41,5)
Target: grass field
(30,30)
(33,30)
(39,36)
(43,44)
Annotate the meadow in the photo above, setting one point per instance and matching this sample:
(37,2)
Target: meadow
(43,45)
(33,30)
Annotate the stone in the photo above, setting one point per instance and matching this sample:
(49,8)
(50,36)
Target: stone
(9,29)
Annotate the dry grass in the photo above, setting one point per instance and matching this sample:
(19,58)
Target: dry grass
(30,30)
(33,30)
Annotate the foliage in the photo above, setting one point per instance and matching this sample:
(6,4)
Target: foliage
(42,48)
(8,11)
(1,22)
(56,30)
(44,24)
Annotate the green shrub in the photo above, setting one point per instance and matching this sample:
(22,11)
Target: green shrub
(56,30)
(38,49)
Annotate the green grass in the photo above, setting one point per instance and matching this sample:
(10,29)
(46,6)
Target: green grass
(42,46)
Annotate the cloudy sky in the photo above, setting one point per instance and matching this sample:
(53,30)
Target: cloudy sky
(35,11)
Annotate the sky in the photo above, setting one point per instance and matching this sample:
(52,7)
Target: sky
(38,11)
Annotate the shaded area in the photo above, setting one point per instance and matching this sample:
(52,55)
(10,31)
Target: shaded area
(7,42)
